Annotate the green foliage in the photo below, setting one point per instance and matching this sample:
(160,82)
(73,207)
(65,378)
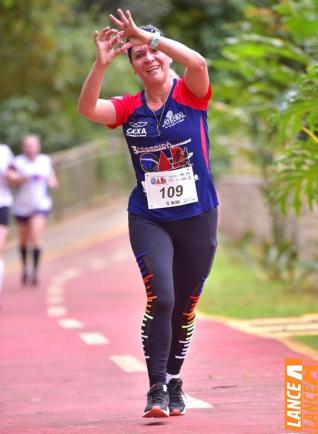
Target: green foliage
(47,50)
(269,91)
(297,168)
(269,83)
(40,55)
(280,261)
(141,9)
(202,24)
(236,289)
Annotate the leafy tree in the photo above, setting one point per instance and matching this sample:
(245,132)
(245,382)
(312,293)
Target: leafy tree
(269,78)
(40,58)
(47,49)
(142,10)
(202,24)
(268,91)
(297,167)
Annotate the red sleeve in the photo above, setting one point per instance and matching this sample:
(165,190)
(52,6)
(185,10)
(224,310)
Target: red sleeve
(184,96)
(124,107)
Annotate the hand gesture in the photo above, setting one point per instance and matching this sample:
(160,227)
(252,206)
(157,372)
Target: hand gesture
(129,29)
(105,42)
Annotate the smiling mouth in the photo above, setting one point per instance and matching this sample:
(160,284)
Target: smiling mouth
(153,68)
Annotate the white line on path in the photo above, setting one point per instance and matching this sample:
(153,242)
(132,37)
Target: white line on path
(64,276)
(70,323)
(70,273)
(94,338)
(54,290)
(129,363)
(54,299)
(98,263)
(56,311)
(196,403)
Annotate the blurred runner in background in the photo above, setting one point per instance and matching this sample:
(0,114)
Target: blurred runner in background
(32,203)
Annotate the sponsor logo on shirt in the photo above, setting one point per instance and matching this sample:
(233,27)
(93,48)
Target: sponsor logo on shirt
(137,129)
(157,148)
(172,119)
(175,158)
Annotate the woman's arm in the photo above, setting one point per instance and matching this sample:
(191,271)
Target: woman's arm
(196,72)
(89,104)
(52,181)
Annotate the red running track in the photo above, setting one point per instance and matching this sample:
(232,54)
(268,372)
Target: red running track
(52,382)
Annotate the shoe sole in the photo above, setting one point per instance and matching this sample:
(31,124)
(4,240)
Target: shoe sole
(176,412)
(156,411)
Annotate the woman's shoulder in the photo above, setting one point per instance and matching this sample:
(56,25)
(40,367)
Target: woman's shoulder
(127,98)
(125,106)
(5,149)
(43,156)
(183,95)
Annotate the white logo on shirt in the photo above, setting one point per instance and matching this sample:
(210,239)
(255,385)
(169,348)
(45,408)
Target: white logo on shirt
(137,129)
(172,119)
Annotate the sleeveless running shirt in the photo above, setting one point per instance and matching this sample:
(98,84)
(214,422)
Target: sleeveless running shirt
(183,142)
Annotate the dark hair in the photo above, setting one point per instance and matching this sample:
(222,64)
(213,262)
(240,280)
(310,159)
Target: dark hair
(149,28)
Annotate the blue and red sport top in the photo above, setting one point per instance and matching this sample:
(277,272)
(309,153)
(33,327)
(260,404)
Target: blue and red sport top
(183,141)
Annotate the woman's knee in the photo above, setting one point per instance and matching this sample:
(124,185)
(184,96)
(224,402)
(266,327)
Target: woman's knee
(164,302)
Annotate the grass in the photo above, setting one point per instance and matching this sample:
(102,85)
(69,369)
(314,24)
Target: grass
(311,341)
(235,290)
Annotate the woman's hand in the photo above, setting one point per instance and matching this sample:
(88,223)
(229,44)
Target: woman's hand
(12,177)
(105,42)
(129,29)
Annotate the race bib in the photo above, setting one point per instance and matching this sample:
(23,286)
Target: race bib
(170,188)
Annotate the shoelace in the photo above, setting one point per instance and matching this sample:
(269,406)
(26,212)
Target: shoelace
(156,394)
(176,393)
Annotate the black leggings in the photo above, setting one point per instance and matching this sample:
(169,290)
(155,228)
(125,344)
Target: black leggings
(4,215)
(174,258)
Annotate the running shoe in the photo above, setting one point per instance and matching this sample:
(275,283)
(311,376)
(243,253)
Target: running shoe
(176,402)
(33,279)
(157,401)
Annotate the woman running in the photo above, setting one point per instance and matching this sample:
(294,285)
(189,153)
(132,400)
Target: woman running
(32,203)
(7,176)
(173,209)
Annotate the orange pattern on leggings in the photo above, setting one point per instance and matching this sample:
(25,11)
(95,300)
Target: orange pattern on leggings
(151,297)
(189,321)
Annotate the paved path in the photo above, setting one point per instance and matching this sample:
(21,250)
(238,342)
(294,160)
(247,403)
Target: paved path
(71,359)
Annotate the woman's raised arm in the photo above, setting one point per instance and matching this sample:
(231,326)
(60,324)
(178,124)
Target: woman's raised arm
(89,104)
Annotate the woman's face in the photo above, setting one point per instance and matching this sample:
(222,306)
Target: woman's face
(31,146)
(151,65)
